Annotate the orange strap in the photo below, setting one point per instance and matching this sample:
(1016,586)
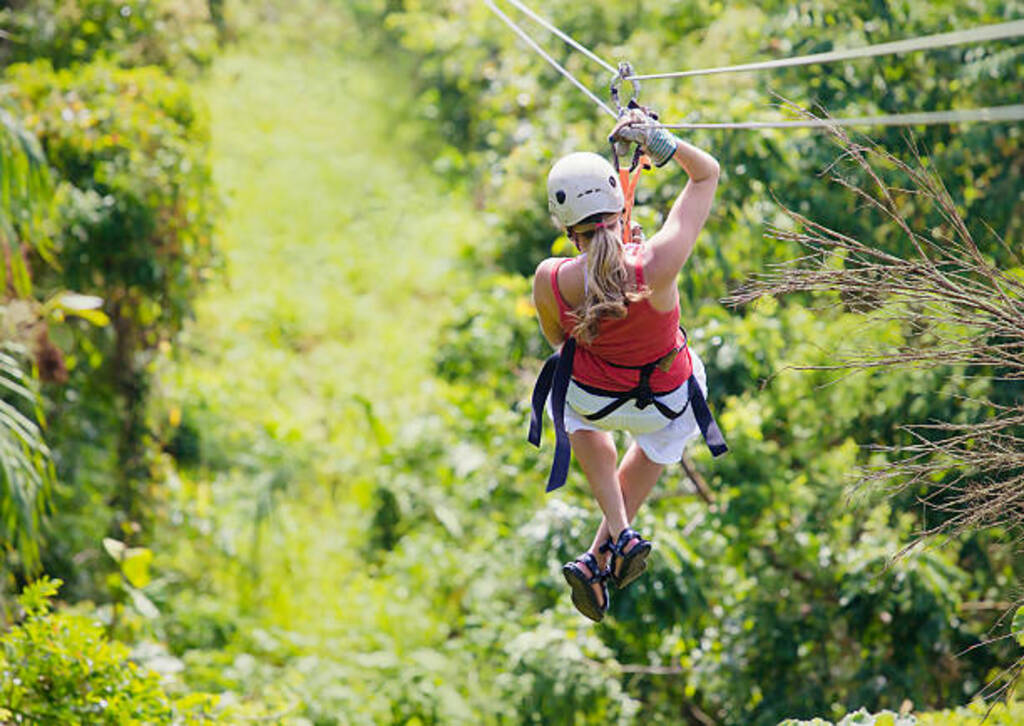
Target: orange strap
(628,190)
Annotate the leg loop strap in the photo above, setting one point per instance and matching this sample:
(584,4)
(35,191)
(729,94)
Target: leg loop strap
(554,379)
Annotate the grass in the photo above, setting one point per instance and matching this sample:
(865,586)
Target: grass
(313,348)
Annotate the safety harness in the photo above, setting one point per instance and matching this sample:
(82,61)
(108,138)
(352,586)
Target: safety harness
(554,380)
(557,371)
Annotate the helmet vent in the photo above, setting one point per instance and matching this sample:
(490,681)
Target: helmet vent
(560,196)
(611,180)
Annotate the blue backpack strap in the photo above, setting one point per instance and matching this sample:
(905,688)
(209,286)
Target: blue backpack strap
(708,427)
(554,378)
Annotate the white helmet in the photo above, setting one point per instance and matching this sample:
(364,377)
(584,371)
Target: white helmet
(582,184)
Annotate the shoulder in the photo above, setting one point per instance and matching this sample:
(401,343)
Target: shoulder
(660,266)
(569,280)
(547,268)
(542,278)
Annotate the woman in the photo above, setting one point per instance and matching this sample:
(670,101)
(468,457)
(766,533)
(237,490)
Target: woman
(613,314)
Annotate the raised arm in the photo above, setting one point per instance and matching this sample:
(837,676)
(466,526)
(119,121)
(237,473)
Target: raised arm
(673,243)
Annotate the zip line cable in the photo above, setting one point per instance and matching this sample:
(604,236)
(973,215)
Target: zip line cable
(999,31)
(607,66)
(990,114)
(533,44)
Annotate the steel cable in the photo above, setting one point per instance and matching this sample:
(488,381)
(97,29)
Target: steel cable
(563,36)
(991,114)
(533,44)
(999,31)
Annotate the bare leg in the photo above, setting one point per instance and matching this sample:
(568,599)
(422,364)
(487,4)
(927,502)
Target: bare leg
(595,451)
(637,477)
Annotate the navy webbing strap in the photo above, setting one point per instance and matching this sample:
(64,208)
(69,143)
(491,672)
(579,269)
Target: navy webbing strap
(540,393)
(708,427)
(554,378)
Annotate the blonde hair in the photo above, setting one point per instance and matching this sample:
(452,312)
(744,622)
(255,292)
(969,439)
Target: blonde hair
(610,284)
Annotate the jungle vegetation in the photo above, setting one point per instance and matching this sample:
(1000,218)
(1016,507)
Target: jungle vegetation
(268,345)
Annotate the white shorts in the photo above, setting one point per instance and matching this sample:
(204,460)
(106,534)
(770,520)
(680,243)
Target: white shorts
(660,438)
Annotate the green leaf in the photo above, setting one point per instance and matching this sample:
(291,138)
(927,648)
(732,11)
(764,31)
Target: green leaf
(133,561)
(26,471)
(143,604)
(96,317)
(1017,625)
(115,548)
(35,598)
(136,565)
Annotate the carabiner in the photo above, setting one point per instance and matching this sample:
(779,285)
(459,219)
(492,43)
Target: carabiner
(625,71)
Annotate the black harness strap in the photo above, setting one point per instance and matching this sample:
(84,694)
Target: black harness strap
(642,393)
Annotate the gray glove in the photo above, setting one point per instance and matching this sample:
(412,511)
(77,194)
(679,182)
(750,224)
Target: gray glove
(638,127)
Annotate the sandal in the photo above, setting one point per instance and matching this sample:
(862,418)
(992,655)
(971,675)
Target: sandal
(627,565)
(583,595)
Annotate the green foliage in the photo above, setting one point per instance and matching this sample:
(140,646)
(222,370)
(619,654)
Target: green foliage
(175,34)
(130,147)
(26,470)
(494,334)
(781,600)
(859,718)
(977,713)
(26,195)
(348,524)
(62,669)
(504,115)
(413,539)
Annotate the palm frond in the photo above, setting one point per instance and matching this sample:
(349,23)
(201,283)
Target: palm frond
(26,469)
(26,194)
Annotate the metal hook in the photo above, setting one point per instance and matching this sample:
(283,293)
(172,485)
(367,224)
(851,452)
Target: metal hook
(624,72)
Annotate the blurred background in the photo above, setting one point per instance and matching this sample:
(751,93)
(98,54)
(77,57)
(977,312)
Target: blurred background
(268,344)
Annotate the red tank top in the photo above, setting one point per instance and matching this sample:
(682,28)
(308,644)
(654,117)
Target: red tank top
(643,336)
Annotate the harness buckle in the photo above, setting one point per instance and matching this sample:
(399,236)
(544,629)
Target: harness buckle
(664,364)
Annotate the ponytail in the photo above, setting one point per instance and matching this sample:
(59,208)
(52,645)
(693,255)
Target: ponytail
(609,288)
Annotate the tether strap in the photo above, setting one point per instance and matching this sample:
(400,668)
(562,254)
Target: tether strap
(640,162)
(554,378)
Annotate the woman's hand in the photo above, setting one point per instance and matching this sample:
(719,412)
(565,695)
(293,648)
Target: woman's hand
(638,126)
(627,129)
